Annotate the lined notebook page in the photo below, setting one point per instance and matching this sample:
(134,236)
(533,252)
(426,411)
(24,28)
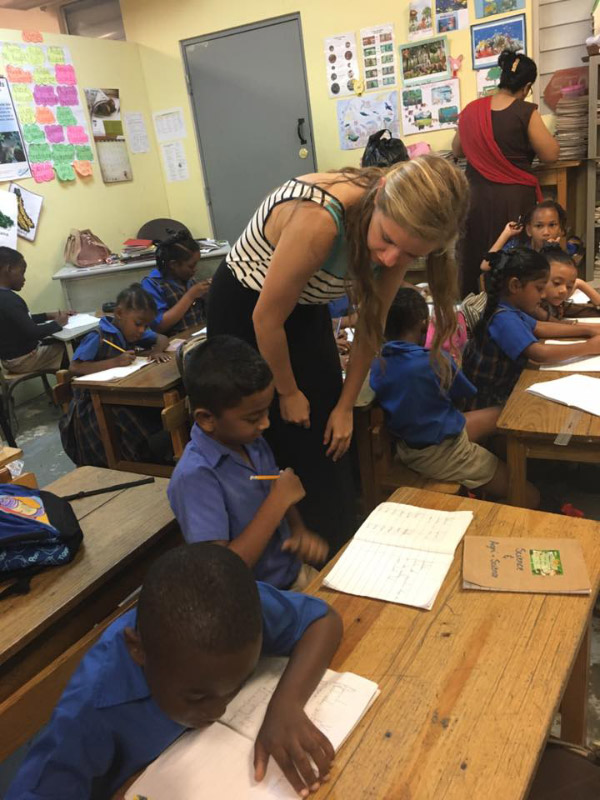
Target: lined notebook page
(577,391)
(116,373)
(400,554)
(580,364)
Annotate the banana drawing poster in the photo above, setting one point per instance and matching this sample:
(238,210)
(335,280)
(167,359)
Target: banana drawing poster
(29,206)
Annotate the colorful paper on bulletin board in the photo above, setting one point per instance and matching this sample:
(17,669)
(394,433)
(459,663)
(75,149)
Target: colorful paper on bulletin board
(342,64)
(379,57)
(451,15)
(44,87)
(359,117)
(430,107)
(420,19)
(29,207)
(489,8)
(13,158)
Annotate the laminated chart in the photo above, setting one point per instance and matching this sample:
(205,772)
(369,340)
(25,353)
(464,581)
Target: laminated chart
(53,121)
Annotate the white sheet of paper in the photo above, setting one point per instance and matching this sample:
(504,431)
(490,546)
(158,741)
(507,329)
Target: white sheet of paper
(169,124)
(577,391)
(590,321)
(175,161)
(579,297)
(137,132)
(80,320)
(565,341)
(201,332)
(116,373)
(582,364)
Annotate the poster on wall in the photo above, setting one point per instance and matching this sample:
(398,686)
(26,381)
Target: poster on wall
(8,220)
(13,160)
(488,80)
(359,117)
(451,15)
(137,132)
(342,64)
(379,57)
(489,8)
(431,107)
(104,106)
(29,207)
(43,85)
(489,39)
(425,62)
(420,19)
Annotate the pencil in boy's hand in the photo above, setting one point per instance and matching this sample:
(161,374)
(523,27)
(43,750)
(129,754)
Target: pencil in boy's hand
(116,346)
(264,477)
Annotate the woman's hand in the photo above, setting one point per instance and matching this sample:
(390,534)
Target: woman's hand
(295,409)
(338,433)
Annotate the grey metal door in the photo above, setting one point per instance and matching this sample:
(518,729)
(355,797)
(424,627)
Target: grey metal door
(252,114)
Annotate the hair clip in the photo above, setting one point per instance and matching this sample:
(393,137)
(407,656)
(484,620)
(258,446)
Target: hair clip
(515,64)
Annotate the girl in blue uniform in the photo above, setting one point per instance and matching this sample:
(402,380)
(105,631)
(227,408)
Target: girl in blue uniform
(128,329)
(173,287)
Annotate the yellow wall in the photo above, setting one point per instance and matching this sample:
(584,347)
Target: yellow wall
(114,212)
(158,29)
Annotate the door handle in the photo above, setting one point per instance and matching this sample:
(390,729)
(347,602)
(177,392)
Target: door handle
(301,122)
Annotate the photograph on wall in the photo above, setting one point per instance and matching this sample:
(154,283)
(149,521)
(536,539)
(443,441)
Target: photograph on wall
(489,8)
(104,106)
(29,207)
(489,39)
(431,107)
(425,62)
(451,15)
(8,220)
(488,80)
(379,57)
(13,158)
(359,117)
(44,89)
(420,19)
(341,61)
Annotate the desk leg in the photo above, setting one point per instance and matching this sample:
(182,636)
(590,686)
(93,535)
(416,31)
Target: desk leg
(516,457)
(573,726)
(180,437)
(106,431)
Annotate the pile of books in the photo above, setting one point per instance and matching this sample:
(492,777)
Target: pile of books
(572,127)
(137,250)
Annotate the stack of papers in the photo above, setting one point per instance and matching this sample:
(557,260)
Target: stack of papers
(576,391)
(137,250)
(116,373)
(400,554)
(80,321)
(572,127)
(216,761)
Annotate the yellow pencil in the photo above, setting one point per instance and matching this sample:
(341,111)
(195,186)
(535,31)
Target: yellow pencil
(264,477)
(116,346)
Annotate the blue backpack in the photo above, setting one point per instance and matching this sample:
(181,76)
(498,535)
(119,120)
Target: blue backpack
(37,530)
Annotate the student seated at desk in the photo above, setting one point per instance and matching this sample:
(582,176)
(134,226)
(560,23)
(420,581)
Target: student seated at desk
(112,345)
(507,335)
(20,331)
(177,294)
(433,437)
(563,281)
(175,663)
(214,491)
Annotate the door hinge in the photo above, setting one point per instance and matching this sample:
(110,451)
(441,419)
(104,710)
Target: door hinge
(188,84)
(207,196)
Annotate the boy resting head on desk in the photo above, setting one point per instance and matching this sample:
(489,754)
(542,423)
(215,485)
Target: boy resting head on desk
(174,663)
(216,491)
(20,331)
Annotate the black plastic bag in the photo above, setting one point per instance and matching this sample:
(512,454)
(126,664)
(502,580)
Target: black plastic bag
(383,151)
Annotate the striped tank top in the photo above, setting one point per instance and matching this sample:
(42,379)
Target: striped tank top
(250,256)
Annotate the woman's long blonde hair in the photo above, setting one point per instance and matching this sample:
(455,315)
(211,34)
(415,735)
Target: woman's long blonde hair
(428,197)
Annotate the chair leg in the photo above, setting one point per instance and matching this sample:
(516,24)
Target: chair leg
(48,389)
(6,428)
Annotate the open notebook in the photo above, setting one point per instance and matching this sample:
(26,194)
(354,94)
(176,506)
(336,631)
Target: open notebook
(217,761)
(401,554)
(577,391)
(116,373)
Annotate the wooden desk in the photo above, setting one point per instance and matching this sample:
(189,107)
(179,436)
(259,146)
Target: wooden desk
(532,423)
(8,454)
(469,689)
(154,386)
(123,533)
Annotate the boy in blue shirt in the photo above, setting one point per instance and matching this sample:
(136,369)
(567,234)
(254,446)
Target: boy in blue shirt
(214,491)
(175,663)
(433,437)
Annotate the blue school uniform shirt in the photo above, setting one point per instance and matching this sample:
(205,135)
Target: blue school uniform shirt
(417,410)
(495,362)
(106,726)
(213,498)
(339,308)
(89,347)
(166,292)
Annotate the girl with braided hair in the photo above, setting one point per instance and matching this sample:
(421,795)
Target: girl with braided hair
(507,335)
(172,285)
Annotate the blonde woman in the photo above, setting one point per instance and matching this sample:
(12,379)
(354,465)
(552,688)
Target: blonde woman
(311,241)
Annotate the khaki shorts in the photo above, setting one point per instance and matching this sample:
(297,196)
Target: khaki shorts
(455,459)
(45,356)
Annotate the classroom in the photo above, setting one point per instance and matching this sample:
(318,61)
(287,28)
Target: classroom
(299,448)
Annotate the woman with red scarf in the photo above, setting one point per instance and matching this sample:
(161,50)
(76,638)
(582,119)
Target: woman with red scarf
(499,135)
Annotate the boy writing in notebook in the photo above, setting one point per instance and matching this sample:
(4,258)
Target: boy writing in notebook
(174,663)
(216,491)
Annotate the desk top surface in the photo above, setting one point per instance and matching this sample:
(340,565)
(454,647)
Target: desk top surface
(468,689)
(524,413)
(116,527)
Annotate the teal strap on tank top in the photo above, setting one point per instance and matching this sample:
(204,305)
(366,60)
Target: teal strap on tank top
(337,260)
